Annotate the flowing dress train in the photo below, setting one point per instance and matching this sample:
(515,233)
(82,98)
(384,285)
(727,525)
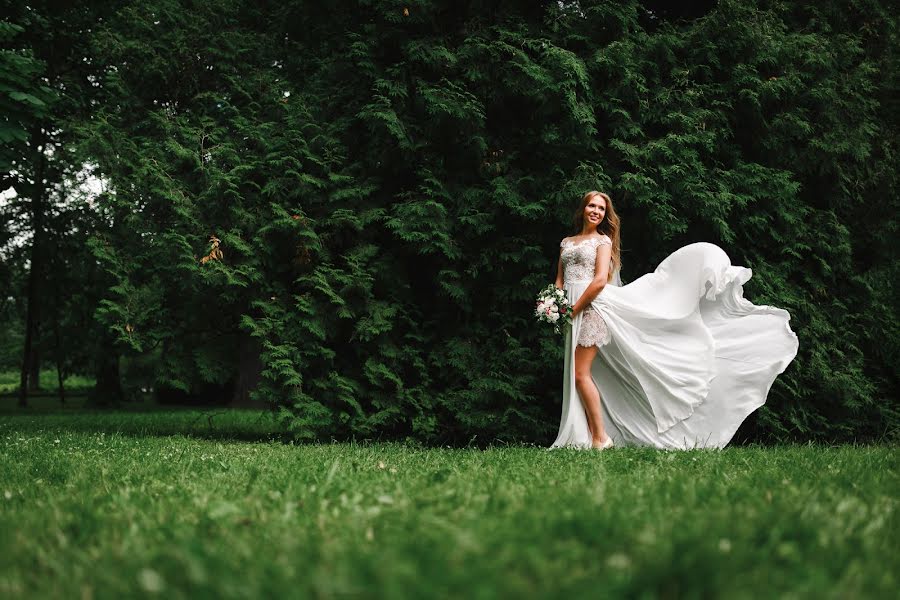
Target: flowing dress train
(687,358)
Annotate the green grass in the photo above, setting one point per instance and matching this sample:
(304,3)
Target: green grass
(9,382)
(108,505)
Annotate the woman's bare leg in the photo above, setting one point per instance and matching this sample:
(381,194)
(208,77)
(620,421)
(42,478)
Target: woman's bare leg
(587,392)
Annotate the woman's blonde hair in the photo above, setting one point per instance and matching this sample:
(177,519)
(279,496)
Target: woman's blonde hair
(608,226)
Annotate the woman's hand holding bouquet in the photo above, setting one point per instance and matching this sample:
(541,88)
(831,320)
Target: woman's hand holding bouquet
(553,307)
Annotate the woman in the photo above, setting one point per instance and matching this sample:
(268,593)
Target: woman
(683,357)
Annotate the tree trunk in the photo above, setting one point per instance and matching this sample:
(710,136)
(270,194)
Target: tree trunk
(62,390)
(28,354)
(34,376)
(26,358)
(108,389)
(249,373)
(30,364)
(59,364)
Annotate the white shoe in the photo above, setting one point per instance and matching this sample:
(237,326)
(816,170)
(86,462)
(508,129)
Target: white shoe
(603,446)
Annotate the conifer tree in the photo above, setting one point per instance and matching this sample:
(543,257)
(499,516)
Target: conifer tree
(367,197)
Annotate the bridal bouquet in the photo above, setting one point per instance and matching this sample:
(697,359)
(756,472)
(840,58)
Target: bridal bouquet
(553,307)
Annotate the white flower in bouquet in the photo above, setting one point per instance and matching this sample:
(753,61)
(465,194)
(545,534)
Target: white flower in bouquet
(552,306)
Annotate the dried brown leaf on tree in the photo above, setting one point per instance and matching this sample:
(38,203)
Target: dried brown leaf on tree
(215,253)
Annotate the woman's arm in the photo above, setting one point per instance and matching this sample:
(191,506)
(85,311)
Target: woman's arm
(601,275)
(559,271)
(559,281)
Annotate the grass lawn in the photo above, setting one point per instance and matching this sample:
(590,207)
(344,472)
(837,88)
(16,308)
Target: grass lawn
(176,504)
(9,383)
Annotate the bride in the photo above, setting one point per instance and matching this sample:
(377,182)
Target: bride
(683,357)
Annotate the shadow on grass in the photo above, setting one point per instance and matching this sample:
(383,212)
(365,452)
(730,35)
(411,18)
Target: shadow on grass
(144,419)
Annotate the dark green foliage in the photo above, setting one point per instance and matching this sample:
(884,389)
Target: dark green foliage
(23,103)
(23,100)
(49,282)
(389,191)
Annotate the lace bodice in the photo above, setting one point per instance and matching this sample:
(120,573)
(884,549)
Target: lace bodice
(579,258)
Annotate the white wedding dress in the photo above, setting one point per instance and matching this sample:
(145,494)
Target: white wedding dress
(683,359)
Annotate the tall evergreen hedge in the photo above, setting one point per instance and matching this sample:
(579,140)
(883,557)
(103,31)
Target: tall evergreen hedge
(388,183)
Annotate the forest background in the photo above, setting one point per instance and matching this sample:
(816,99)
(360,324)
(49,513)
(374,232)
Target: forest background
(344,212)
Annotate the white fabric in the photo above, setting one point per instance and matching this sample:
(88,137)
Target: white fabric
(690,358)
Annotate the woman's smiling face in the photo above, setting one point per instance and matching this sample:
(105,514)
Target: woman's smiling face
(595,210)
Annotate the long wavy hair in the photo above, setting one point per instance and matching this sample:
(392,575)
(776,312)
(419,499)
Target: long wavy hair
(608,226)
